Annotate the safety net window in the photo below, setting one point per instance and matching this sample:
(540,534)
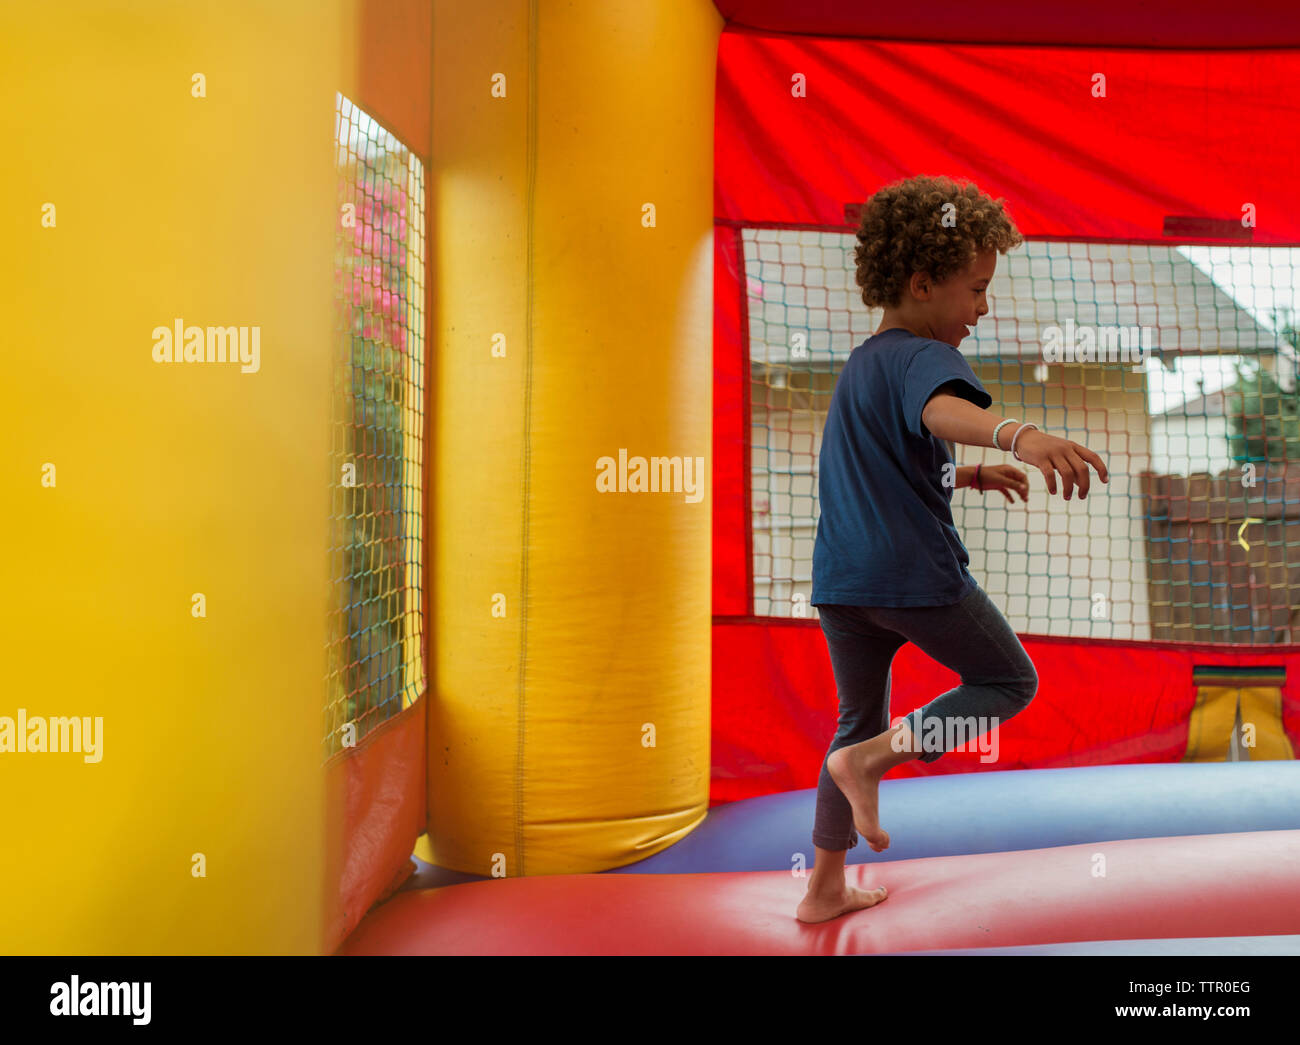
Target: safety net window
(375,659)
(1177,364)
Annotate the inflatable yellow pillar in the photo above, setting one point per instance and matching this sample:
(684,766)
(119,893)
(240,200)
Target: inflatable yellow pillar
(570,472)
(166,523)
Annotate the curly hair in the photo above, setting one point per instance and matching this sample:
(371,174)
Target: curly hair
(903,231)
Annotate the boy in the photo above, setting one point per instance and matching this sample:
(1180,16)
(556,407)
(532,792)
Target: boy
(888,564)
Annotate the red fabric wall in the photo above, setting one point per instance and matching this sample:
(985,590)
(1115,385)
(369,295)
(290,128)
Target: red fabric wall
(376,799)
(1177,134)
(1099,702)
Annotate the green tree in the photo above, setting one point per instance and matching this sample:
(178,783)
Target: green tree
(1264,418)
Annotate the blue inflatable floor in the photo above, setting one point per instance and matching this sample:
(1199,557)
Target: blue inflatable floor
(967,813)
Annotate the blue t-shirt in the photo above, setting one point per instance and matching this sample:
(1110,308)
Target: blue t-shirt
(886,535)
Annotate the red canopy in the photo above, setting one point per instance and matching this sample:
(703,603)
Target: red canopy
(1175,135)
(1150,24)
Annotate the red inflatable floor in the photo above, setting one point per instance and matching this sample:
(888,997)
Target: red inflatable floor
(1184,886)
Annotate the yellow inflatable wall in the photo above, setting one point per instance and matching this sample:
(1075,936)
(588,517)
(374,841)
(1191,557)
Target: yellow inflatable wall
(572,267)
(133,486)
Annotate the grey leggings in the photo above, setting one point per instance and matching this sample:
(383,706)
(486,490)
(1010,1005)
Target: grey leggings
(971,637)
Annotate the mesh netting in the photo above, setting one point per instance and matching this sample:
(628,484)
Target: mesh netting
(1197,535)
(376,664)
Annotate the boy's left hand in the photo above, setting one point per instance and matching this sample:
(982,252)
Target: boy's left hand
(1006,478)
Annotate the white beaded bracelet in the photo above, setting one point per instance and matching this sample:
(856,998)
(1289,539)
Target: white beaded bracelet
(1017,436)
(1008,421)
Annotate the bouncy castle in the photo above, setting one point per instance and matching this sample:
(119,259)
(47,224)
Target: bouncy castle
(625,757)
(505,546)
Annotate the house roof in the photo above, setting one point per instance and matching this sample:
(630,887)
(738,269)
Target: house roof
(801,282)
(1044,284)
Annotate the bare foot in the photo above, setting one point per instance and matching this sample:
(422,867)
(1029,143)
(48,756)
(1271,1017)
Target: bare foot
(860,782)
(823,908)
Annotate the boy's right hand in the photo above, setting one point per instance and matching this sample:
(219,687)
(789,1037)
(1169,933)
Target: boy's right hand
(1051,454)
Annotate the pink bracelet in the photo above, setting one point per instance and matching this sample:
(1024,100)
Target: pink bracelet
(1027,424)
(976,482)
